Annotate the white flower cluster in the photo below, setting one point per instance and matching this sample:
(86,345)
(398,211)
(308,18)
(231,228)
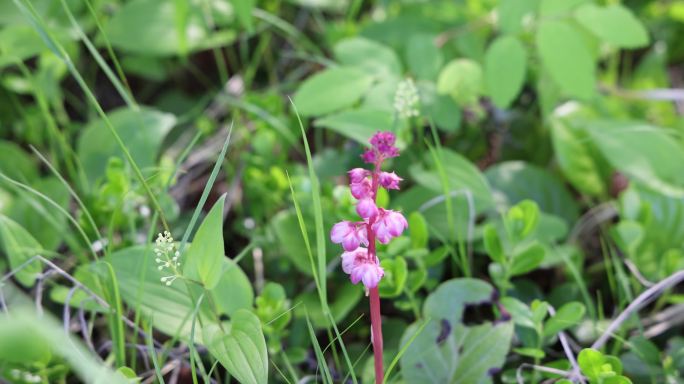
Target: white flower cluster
(167,256)
(406,99)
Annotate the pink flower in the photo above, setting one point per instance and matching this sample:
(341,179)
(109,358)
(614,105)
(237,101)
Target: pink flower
(368,156)
(357,175)
(353,258)
(368,272)
(366,208)
(361,189)
(349,234)
(361,267)
(388,224)
(390,180)
(383,142)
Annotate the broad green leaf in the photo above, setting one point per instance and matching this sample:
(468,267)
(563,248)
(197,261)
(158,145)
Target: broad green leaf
(575,158)
(331,90)
(396,272)
(370,56)
(142,131)
(240,347)
(461,175)
(559,7)
(441,109)
(492,244)
(170,307)
(600,368)
(359,124)
(504,70)
(40,218)
(243,10)
(522,219)
(423,56)
(19,247)
(418,230)
(462,80)
(149,27)
(344,301)
(449,300)
(521,313)
(651,223)
(526,259)
(204,257)
(516,181)
(30,339)
(512,13)
(16,164)
(447,351)
(614,24)
(566,316)
(644,153)
(567,58)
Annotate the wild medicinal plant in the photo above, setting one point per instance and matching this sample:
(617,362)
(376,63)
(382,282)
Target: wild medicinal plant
(362,264)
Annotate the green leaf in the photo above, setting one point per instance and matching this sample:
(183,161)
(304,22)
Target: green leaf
(462,80)
(243,10)
(170,307)
(527,259)
(370,56)
(40,218)
(642,152)
(149,27)
(359,124)
(20,246)
(614,24)
(518,180)
(396,272)
(461,175)
(504,70)
(143,132)
(331,90)
(566,316)
(204,258)
(521,313)
(559,7)
(566,58)
(595,365)
(31,339)
(418,230)
(16,164)
(423,57)
(492,244)
(442,109)
(530,352)
(449,300)
(240,347)
(513,12)
(575,159)
(447,351)
(522,219)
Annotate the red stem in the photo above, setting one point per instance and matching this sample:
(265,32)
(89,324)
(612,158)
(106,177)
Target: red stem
(376,320)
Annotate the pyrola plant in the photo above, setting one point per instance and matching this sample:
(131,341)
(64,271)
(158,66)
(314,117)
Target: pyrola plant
(360,260)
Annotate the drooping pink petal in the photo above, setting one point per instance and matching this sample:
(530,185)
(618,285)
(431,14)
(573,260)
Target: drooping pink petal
(362,189)
(390,180)
(368,272)
(388,224)
(356,175)
(366,208)
(352,259)
(340,231)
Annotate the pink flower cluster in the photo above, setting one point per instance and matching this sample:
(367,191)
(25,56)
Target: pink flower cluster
(378,223)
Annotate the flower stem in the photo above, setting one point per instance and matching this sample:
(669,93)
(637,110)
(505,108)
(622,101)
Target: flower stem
(376,328)
(376,320)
